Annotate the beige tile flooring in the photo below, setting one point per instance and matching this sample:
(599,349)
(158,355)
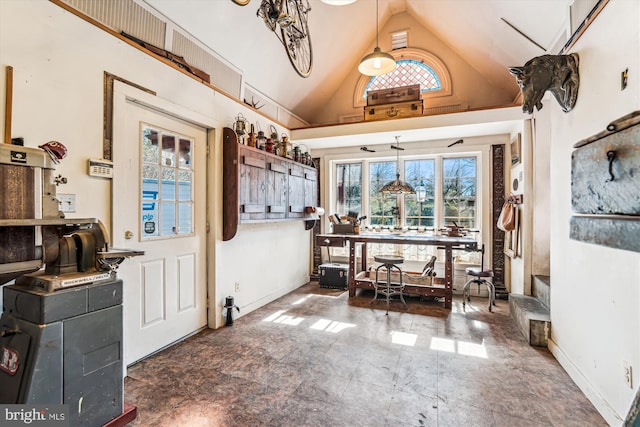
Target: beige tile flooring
(317,358)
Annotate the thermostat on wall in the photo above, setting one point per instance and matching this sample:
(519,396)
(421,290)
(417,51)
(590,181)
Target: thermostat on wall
(101,168)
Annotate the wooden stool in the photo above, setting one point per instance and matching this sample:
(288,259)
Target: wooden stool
(389,289)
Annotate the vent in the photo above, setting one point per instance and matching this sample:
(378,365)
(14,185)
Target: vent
(351,118)
(222,76)
(124,15)
(443,109)
(399,40)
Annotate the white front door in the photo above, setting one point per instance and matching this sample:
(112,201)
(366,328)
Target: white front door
(159,207)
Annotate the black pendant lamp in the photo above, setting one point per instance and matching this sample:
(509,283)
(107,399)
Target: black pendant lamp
(396,186)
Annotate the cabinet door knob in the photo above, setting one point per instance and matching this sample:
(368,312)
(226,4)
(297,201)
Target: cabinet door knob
(128,235)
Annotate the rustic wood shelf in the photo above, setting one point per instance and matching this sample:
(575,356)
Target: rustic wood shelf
(262,187)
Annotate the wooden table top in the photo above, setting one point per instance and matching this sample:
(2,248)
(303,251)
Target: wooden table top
(404,238)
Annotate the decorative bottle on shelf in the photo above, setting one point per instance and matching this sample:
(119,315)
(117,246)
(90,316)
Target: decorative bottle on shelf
(252,141)
(285,147)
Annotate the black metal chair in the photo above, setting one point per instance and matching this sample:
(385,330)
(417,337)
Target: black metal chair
(389,288)
(479,276)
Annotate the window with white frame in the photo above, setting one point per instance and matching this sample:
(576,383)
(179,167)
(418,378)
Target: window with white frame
(167,196)
(419,208)
(381,205)
(446,192)
(459,176)
(348,191)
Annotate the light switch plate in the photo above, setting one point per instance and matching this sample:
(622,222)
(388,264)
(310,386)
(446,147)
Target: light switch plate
(66,202)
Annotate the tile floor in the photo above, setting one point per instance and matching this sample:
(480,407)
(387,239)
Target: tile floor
(316,358)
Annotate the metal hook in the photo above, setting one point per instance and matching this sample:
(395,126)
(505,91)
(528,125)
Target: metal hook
(611,155)
(60,180)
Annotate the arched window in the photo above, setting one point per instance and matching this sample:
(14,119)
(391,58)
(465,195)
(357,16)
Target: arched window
(415,66)
(408,72)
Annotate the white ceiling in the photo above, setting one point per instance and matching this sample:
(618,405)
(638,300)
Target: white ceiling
(341,35)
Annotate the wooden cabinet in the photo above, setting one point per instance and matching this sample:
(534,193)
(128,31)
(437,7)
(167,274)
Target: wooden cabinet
(277,189)
(296,191)
(262,187)
(252,185)
(310,187)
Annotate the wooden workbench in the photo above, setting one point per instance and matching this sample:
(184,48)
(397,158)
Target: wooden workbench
(448,244)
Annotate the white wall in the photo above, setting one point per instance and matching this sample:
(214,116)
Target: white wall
(541,190)
(59,62)
(515,276)
(595,292)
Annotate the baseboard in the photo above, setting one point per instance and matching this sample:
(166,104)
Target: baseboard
(600,403)
(266,299)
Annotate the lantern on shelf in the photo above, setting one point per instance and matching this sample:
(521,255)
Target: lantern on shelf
(261,140)
(240,125)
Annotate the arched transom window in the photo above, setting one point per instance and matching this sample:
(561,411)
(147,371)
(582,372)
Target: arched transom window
(415,66)
(408,72)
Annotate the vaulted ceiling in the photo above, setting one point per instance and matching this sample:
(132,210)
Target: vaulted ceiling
(341,35)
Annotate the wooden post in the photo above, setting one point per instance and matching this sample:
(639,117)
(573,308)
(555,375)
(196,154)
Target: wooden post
(8,105)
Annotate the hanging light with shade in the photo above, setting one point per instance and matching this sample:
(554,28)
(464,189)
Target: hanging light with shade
(378,62)
(396,186)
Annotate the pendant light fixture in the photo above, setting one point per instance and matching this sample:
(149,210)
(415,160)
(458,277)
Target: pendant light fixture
(378,62)
(396,186)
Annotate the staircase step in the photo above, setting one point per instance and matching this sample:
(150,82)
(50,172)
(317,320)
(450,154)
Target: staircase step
(541,289)
(532,318)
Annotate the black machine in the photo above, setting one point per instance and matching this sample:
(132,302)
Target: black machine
(61,328)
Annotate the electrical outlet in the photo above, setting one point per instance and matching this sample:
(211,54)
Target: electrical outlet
(628,374)
(237,287)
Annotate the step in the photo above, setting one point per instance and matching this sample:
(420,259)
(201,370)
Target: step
(540,289)
(532,318)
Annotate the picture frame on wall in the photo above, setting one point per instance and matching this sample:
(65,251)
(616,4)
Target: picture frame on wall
(516,150)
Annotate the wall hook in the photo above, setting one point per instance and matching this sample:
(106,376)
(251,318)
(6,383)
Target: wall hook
(611,155)
(59,180)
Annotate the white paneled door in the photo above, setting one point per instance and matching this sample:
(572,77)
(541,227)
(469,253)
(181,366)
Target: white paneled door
(159,205)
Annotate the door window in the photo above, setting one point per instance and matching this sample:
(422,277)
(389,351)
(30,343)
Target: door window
(166,199)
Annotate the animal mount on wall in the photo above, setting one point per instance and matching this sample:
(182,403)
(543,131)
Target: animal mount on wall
(556,73)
